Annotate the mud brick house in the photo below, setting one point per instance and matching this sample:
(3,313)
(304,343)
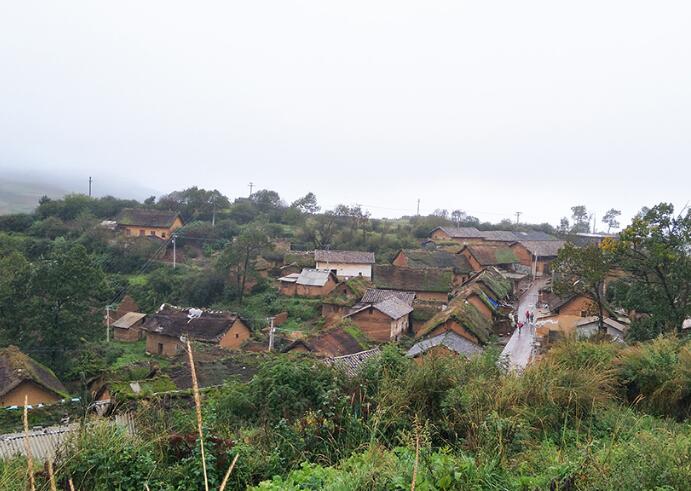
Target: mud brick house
(445,344)
(432,285)
(342,298)
(129,327)
(483,256)
(383,321)
(166,329)
(127,304)
(435,259)
(329,343)
(579,305)
(345,264)
(461,317)
(537,254)
(141,222)
(22,376)
(590,326)
(309,283)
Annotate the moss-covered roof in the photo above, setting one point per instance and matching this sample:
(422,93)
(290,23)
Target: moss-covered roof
(490,255)
(411,279)
(16,367)
(144,217)
(423,258)
(304,259)
(463,313)
(493,280)
(348,292)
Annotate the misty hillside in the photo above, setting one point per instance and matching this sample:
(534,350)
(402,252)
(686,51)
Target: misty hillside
(20,193)
(22,197)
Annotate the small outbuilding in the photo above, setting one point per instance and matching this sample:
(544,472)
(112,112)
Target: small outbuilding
(309,283)
(590,326)
(445,344)
(383,321)
(129,327)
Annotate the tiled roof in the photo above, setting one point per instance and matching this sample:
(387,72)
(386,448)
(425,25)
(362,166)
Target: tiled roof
(16,368)
(352,363)
(499,235)
(393,307)
(129,319)
(534,235)
(461,232)
(425,258)
(449,339)
(543,248)
(375,295)
(492,255)
(145,217)
(175,322)
(411,279)
(349,257)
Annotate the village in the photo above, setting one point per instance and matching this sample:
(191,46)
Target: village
(461,291)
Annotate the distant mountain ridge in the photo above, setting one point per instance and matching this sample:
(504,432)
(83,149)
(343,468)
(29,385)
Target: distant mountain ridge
(22,197)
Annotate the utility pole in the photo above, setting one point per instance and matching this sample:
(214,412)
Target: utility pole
(213,214)
(174,252)
(90,180)
(518,216)
(107,323)
(272,329)
(594,222)
(251,185)
(418,207)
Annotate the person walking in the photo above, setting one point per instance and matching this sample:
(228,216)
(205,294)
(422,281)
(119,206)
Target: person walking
(520,325)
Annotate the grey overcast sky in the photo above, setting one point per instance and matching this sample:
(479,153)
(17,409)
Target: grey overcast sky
(486,106)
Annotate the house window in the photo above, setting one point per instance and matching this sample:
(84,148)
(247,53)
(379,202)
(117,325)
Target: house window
(128,232)
(237,335)
(584,313)
(142,232)
(160,348)
(152,232)
(163,234)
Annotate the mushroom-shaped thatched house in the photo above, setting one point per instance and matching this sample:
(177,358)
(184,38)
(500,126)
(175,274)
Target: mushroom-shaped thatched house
(22,376)
(461,317)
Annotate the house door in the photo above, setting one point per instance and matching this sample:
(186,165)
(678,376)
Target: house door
(160,348)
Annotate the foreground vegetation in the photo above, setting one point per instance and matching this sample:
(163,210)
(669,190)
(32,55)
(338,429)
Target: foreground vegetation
(588,416)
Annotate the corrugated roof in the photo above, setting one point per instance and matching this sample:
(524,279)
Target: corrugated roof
(128,320)
(349,257)
(411,279)
(425,258)
(394,307)
(451,340)
(16,367)
(375,295)
(492,255)
(608,321)
(145,217)
(543,248)
(313,277)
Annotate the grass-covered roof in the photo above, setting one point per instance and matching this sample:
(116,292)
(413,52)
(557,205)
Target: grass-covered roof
(16,368)
(463,313)
(349,292)
(493,280)
(411,279)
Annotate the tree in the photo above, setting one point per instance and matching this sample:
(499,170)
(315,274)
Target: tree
(654,252)
(54,303)
(582,270)
(267,200)
(610,219)
(564,226)
(194,203)
(307,204)
(581,219)
(238,256)
(458,217)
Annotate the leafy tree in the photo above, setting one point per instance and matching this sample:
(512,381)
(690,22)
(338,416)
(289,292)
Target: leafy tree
(194,203)
(458,217)
(307,204)
(582,270)
(654,252)
(564,226)
(59,302)
(267,200)
(581,219)
(238,257)
(610,219)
